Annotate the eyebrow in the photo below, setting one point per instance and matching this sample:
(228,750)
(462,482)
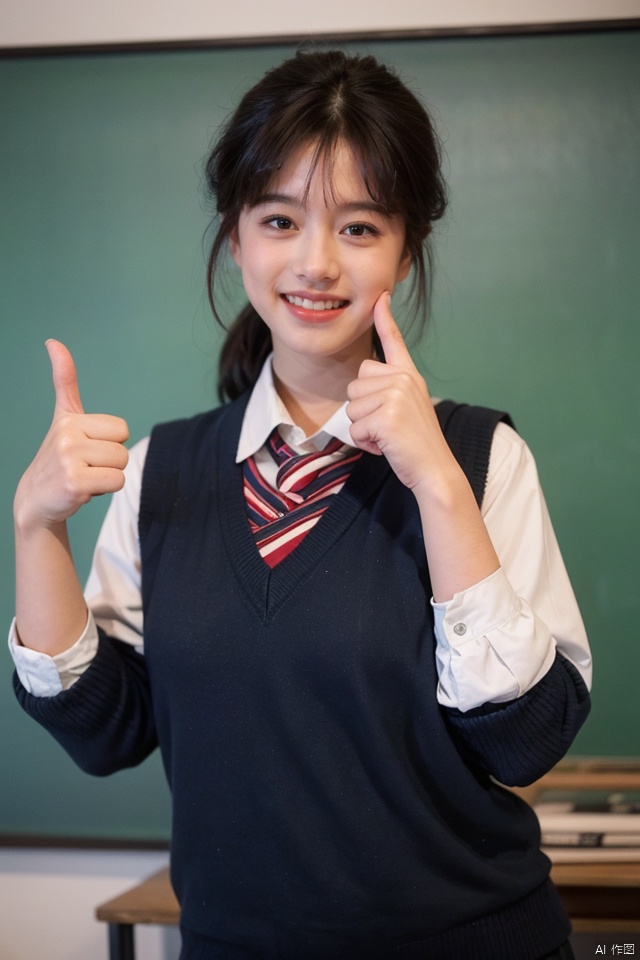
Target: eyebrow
(352,207)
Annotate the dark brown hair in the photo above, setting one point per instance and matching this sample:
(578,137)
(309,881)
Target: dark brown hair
(323,98)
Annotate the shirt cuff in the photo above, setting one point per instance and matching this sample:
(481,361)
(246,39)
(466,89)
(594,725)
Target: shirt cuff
(489,646)
(45,676)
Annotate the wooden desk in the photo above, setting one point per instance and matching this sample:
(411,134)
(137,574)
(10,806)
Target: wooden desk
(152,901)
(599,897)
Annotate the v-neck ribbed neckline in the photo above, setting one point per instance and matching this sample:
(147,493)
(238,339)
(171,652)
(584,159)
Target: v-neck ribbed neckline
(267,589)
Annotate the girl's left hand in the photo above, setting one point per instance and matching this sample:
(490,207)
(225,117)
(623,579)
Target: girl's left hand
(392,414)
(391,410)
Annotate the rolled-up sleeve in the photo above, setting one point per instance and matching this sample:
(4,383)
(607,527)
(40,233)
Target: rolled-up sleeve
(45,676)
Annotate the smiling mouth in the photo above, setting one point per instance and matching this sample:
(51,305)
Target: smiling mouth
(315,304)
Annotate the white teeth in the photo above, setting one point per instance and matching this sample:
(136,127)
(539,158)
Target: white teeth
(315,304)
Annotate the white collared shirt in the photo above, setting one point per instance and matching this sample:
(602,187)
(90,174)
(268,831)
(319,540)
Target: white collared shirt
(494,641)
(266,411)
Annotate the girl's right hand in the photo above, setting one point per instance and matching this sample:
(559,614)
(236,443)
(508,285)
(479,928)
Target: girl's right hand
(82,455)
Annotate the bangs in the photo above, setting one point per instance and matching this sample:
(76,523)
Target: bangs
(377,167)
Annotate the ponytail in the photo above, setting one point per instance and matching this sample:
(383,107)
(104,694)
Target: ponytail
(246,347)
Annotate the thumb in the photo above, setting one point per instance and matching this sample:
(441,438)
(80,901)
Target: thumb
(65,379)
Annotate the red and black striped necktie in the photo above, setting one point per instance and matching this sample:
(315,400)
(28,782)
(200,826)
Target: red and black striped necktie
(281,517)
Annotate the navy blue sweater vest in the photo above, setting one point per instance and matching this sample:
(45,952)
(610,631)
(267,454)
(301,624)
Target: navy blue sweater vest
(325,805)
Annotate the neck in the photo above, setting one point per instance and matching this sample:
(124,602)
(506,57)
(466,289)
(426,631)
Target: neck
(307,409)
(312,388)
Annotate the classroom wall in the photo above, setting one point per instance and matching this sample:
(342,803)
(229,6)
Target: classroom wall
(48,900)
(71,22)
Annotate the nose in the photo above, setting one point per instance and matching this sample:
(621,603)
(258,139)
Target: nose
(316,259)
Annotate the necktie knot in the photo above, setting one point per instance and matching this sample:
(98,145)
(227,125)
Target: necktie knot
(298,473)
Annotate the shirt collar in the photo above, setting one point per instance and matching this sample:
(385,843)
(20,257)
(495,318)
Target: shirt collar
(265,411)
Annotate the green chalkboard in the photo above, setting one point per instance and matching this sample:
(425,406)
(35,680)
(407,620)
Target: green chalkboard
(536,310)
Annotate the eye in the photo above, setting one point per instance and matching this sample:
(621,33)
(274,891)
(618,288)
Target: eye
(279,222)
(360,230)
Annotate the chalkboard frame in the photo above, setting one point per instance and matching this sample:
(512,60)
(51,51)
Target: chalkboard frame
(332,37)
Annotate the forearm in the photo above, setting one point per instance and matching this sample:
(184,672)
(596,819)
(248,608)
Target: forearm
(458,547)
(51,612)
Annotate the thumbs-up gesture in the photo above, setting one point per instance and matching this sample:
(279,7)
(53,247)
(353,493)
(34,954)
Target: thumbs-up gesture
(82,455)
(391,410)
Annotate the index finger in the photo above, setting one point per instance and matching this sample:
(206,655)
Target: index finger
(395,350)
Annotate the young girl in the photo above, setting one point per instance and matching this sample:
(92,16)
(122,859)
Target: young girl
(343,653)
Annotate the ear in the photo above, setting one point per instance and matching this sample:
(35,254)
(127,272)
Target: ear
(234,246)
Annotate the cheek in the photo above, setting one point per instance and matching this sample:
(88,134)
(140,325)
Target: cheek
(255,273)
(257,281)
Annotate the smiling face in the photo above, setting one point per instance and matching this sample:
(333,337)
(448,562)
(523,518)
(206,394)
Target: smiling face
(315,256)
